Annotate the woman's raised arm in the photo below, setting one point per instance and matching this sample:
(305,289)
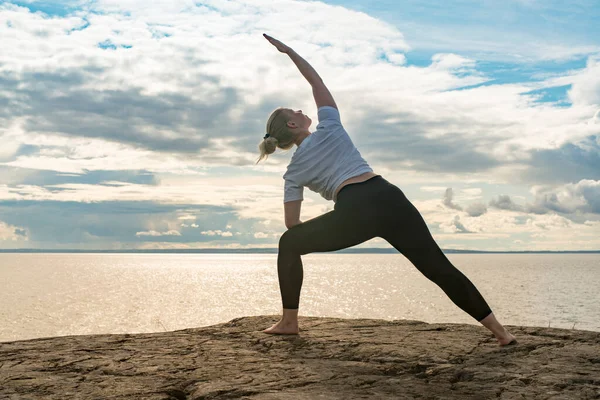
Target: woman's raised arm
(322,95)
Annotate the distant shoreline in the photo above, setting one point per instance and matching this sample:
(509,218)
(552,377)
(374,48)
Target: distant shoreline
(275,250)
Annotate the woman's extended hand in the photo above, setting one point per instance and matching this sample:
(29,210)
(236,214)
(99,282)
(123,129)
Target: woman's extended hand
(280,46)
(305,68)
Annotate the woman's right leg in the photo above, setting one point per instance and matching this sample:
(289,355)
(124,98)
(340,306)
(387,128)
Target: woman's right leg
(346,226)
(407,231)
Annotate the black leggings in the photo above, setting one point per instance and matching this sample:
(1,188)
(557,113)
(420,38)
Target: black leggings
(374,208)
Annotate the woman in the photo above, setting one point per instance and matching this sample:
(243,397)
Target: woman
(366,206)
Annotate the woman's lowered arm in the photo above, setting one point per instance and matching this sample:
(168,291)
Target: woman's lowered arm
(292,213)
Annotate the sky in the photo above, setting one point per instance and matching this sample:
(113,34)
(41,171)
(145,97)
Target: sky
(135,125)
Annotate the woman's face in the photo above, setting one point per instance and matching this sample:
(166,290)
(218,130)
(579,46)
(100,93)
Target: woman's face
(301,120)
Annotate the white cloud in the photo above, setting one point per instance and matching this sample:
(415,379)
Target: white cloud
(582,197)
(504,202)
(476,209)
(397,58)
(595,119)
(12,233)
(586,85)
(454,226)
(433,188)
(455,62)
(468,194)
(155,233)
(448,200)
(217,233)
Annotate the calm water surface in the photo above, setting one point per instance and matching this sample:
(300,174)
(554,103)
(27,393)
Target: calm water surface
(53,294)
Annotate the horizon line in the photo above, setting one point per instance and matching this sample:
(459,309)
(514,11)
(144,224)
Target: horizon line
(276,250)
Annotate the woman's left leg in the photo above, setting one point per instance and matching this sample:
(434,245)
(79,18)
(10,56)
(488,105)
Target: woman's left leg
(335,230)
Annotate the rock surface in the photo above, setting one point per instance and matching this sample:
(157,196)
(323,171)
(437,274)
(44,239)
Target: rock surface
(331,358)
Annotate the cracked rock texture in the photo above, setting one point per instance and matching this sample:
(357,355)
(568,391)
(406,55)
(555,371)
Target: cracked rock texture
(331,358)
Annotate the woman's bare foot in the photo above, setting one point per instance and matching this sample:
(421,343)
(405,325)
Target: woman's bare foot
(500,332)
(283,328)
(506,339)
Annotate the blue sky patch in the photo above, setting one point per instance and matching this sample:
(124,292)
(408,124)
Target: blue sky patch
(45,178)
(80,28)
(108,44)
(557,95)
(50,8)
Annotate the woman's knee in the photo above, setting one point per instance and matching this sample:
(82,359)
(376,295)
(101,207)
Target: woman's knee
(287,240)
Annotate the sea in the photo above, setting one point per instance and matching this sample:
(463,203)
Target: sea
(60,294)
